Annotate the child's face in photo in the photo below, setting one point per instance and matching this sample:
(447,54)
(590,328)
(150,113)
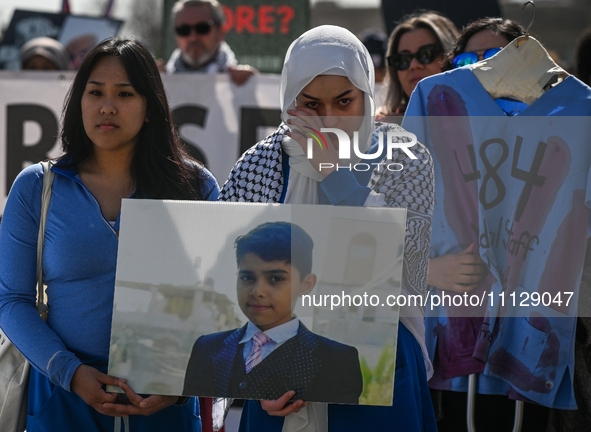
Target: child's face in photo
(266,290)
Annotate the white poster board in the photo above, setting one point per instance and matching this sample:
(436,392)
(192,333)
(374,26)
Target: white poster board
(179,279)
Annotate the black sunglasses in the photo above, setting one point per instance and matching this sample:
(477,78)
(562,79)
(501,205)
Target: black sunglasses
(201,28)
(425,55)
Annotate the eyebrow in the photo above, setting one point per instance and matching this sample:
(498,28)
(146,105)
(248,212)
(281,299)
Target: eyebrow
(346,92)
(265,272)
(97,83)
(274,271)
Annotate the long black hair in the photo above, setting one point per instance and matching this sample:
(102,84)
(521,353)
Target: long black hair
(507,28)
(160,168)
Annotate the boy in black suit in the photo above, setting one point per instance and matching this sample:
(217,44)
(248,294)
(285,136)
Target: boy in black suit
(274,352)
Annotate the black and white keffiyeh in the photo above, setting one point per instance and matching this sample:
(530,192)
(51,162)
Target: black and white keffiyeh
(258,174)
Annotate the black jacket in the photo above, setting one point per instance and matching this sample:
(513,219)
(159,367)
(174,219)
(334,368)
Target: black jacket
(316,368)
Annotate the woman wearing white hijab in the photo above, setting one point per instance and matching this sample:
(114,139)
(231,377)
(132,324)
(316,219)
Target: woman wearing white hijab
(328,81)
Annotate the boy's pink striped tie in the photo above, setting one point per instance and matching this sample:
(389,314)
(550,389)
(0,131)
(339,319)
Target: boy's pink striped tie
(256,356)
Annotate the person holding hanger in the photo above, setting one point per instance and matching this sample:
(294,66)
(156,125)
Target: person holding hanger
(473,133)
(416,50)
(118,141)
(328,81)
(481,40)
(463,271)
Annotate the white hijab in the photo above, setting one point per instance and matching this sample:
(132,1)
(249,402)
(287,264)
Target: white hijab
(324,50)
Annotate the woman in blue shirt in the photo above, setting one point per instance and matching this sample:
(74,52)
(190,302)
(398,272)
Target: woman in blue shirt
(118,141)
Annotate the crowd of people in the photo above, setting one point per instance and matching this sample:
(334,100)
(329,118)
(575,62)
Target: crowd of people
(119,141)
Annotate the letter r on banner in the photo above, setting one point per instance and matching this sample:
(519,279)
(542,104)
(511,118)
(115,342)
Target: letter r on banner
(17,152)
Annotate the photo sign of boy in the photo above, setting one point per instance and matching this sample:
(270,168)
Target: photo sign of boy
(254,300)
(274,270)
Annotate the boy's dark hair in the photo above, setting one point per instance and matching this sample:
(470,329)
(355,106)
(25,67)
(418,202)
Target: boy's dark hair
(278,241)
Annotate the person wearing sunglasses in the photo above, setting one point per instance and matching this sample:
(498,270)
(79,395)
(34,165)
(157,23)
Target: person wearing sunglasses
(480,40)
(200,41)
(415,50)
(463,271)
(477,41)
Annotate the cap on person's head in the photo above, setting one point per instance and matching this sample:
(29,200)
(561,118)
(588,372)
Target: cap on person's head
(376,42)
(47,48)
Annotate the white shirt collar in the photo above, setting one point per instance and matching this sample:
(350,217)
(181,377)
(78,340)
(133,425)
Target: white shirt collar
(278,334)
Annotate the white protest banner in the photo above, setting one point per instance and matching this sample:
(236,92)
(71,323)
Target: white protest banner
(218,119)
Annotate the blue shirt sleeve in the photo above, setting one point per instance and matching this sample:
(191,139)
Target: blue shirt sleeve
(209,188)
(18,259)
(349,187)
(343,188)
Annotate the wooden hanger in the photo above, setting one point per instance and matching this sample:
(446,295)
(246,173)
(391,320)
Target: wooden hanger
(522,70)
